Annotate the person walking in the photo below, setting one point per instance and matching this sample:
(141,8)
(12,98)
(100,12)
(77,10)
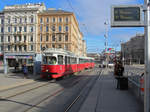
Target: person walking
(25,70)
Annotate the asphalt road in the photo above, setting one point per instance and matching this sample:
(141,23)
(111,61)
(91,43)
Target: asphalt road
(65,95)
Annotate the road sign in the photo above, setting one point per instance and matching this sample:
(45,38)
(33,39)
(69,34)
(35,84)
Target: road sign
(127,16)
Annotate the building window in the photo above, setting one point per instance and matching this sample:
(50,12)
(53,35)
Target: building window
(25,20)
(47,20)
(66,47)
(47,37)
(53,20)
(66,28)
(2,38)
(46,46)
(9,20)
(25,38)
(20,29)
(15,39)
(41,38)
(31,29)
(15,29)
(8,47)
(31,19)
(53,38)
(15,20)
(15,48)
(25,29)
(41,28)
(8,29)
(25,47)
(8,38)
(2,21)
(67,20)
(59,28)
(41,47)
(19,38)
(59,46)
(2,29)
(20,49)
(60,19)
(47,28)
(60,38)
(41,20)
(31,48)
(53,28)
(31,38)
(20,20)
(0,48)
(53,45)
(66,38)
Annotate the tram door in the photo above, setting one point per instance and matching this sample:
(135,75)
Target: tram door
(60,64)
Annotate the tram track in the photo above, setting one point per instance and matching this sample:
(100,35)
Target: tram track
(81,94)
(70,82)
(32,88)
(55,93)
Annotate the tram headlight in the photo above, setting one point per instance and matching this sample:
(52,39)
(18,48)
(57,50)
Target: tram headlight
(46,70)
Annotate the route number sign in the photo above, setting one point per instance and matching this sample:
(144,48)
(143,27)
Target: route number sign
(126,16)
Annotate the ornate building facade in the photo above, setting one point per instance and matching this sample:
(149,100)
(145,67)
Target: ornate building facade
(59,29)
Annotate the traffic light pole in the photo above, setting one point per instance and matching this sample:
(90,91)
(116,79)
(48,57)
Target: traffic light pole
(147,56)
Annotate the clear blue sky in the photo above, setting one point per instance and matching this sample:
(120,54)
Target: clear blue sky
(91,15)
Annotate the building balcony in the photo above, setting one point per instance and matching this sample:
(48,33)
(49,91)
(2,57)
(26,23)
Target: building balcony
(17,33)
(19,43)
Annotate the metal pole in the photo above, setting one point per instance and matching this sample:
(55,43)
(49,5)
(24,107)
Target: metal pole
(147,57)
(5,65)
(106,43)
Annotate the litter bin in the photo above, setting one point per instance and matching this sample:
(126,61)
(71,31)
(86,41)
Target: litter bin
(124,83)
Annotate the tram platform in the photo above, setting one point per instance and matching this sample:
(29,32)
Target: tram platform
(12,80)
(104,97)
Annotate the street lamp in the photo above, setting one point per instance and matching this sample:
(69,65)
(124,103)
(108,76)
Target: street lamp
(106,42)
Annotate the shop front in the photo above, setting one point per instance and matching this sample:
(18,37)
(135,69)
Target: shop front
(16,61)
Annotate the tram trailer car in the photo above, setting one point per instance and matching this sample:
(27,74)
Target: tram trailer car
(58,63)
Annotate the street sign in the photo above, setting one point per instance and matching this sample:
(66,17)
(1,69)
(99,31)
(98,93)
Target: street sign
(126,16)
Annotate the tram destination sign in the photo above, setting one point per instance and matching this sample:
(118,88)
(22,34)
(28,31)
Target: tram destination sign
(127,16)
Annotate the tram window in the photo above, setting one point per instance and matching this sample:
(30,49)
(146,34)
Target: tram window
(66,60)
(73,61)
(60,59)
(51,60)
(81,61)
(45,60)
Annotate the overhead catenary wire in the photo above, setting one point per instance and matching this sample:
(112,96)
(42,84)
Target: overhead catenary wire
(75,11)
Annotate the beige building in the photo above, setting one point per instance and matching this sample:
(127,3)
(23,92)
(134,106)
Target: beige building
(60,29)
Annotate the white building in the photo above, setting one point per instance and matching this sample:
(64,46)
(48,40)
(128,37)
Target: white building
(1,32)
(20,33)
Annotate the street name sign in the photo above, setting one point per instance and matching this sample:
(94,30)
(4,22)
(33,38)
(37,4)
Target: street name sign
(126,16)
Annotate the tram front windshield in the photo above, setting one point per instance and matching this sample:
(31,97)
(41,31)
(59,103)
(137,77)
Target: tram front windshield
(50,60)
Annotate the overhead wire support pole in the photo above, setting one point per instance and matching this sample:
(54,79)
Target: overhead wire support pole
(106,42)
(147,56)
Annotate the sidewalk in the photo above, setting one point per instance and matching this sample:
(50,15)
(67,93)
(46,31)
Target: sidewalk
(12,80)
(104,97)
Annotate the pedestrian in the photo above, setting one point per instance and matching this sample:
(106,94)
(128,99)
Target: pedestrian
(119,73)
(25,70)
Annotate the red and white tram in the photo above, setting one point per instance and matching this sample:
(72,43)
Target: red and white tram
(58,62)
